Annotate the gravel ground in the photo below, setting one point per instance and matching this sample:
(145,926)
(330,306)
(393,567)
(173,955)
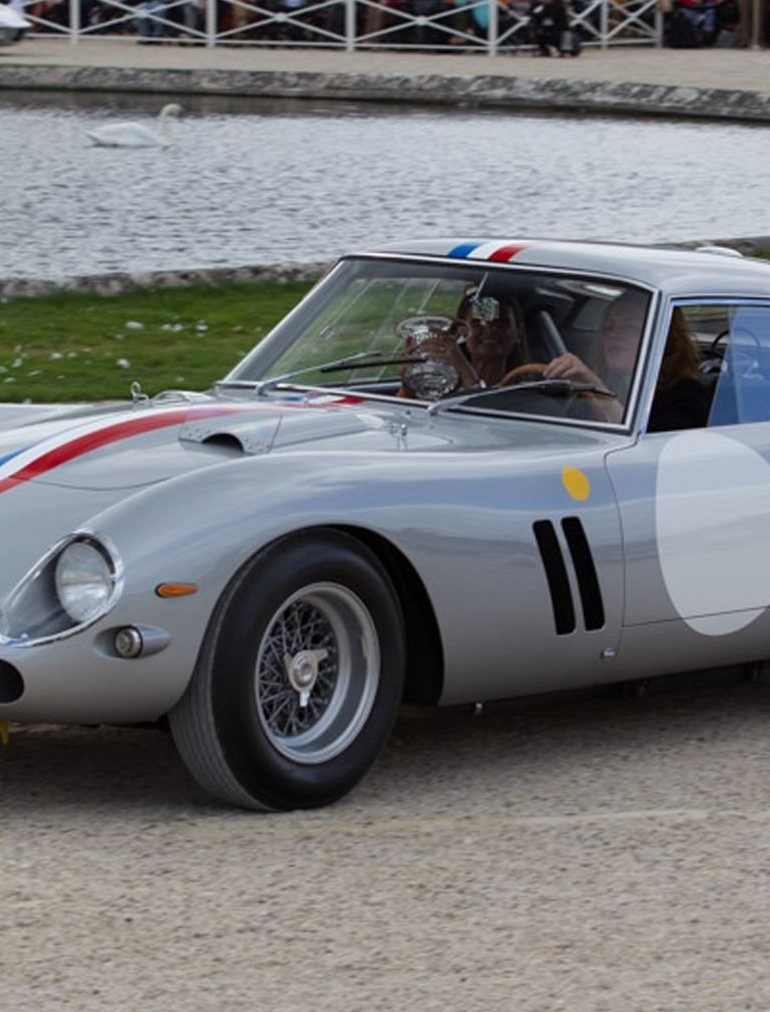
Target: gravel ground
(577,854)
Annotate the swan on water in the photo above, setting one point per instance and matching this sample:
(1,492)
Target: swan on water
(136,135)
(13,24)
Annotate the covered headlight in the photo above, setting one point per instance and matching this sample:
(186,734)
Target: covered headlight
(74,584)
(84,580)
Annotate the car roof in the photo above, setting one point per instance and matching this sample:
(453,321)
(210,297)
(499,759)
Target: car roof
(711,271)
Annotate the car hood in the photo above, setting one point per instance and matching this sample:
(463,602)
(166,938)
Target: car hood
(120,445)
(125,446)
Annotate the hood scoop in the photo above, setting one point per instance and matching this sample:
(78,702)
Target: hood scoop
(249,436)
(225,441)
(258,434)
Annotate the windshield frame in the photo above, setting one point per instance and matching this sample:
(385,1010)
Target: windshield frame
(285,333)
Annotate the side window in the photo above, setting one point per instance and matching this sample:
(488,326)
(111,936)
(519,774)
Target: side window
(743,385)
(715,369)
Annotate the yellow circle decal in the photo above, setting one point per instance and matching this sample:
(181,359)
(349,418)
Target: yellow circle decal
(576,483)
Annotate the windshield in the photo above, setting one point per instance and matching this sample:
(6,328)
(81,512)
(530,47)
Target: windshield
(431,331)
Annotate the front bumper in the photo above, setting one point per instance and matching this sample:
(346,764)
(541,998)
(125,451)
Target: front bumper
(81,679)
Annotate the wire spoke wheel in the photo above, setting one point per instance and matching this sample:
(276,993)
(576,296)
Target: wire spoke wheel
(300,677)
(317,672)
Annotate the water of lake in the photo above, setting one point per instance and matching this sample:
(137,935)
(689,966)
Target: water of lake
(249,181)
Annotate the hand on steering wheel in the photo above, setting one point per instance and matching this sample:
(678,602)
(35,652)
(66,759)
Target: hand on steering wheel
(519,374)
(593,406)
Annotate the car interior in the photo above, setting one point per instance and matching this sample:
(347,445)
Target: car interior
(554,315)
(353,336)
(734,348)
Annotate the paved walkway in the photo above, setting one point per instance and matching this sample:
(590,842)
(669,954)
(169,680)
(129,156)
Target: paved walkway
(740,69)
(731,69)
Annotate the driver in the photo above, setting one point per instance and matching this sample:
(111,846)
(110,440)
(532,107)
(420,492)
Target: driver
(488,341)
(620,340)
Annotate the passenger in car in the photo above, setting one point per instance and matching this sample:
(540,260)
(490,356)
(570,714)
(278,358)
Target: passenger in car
(493,342)
(681,401)
(497,341)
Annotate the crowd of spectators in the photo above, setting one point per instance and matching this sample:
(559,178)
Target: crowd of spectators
(690,24)
(548,27)
(543,24)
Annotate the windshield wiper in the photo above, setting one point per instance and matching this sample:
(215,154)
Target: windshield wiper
(359,361)
(554,386)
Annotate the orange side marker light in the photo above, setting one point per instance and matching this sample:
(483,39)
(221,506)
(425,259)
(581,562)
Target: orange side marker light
(176,589)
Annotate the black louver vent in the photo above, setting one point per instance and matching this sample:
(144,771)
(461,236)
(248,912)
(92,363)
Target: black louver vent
(588,582)
(556,575)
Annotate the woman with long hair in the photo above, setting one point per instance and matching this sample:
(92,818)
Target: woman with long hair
(681,401)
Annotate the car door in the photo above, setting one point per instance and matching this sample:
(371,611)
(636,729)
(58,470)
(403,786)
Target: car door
(695,506)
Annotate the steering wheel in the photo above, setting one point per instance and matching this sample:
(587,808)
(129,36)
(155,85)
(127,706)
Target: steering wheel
(589,409)
(740,361)
(713,348)
(518,374)
(740,334)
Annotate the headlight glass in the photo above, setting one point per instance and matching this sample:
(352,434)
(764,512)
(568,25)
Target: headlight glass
(84,580)
(73,585)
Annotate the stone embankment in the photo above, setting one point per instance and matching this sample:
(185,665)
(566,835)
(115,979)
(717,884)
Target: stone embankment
(711,83)
(718,84)
(112,284)
(456,90)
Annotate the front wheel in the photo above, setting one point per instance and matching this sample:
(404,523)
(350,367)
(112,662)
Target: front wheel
(299,681)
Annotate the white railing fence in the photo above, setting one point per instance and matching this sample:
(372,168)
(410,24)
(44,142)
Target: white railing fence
(484,26)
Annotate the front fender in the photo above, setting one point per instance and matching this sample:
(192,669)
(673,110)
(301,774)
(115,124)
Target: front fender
(200,528)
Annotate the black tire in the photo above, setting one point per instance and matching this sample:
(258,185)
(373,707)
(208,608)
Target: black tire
(299,680)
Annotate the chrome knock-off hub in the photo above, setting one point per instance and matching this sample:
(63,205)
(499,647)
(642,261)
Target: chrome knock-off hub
(302,671)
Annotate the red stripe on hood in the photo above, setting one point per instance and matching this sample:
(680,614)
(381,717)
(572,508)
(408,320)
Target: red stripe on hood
(134,427)
(95,440)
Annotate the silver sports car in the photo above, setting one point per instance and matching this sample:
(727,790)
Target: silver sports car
(457,471)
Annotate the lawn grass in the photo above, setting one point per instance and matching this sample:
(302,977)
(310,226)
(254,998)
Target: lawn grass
(73,346)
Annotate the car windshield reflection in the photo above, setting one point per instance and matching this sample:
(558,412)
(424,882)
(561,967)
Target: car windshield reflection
(432,332)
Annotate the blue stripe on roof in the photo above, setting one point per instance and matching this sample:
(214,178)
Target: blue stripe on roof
(464,250)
